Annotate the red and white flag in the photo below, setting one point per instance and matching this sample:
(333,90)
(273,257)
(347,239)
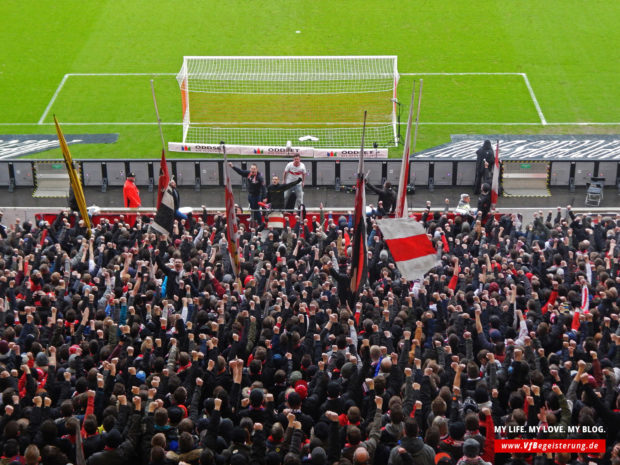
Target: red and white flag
(495,182)
(585,299)
(411,248)
(232,235)
(276,220)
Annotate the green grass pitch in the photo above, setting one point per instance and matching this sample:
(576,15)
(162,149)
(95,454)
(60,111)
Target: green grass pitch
(565,50)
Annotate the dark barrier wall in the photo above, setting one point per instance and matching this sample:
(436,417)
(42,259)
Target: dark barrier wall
(321,172)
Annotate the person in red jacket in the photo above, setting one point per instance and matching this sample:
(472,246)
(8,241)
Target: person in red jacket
(131,195)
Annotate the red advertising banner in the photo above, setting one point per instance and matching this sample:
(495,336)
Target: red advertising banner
(536,446)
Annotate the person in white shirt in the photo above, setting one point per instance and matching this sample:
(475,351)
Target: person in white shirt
(293,171)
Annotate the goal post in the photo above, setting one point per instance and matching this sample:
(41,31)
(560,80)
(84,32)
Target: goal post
(309,101)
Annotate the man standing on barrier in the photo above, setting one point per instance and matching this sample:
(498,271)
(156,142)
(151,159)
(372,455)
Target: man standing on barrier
(256,189)
(276,193)
(294,170)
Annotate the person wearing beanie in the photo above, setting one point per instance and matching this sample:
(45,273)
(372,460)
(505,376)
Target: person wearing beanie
(471,453)
(260,409)
(421,453)
(318,456)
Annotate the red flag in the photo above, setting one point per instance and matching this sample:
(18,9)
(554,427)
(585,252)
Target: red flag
(411,248)
(359,259)
(232,236)
(495,183)
(164,178)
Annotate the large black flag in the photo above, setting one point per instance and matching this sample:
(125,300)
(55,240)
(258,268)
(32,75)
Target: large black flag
(164,218)
(359,265)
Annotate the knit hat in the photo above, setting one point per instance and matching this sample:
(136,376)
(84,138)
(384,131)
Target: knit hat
(333,389)
(238,458)
(256,398)
(295,376)
(238,435)
(321,431)
(443,458)
(301,388)
(113,439)
(272,458)
(495,335)
(471,448)
(457,430)
(42,360)
(347,370)
(318,456)
(4,347)
(481,395)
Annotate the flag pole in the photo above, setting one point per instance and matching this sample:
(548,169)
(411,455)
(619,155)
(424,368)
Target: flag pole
(161,133)
(401,198)
(361,162)
(417,118)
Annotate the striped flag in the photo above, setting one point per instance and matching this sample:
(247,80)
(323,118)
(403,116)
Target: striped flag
(232,235)
(276,220)
(585,299)
(585,308)
(164,177)
(411,248)
(359,259)
(163,222)
(403,182)
(74,177)
(495,182)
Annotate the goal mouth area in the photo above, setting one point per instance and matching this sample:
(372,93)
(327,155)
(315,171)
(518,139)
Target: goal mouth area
(300,136)
(277,101)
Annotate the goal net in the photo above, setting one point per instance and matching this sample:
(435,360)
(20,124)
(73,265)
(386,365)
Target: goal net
(304,100)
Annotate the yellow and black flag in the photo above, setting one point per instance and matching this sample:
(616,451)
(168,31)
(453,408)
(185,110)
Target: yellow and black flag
(76,185)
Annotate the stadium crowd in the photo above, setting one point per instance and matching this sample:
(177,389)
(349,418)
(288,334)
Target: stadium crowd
(120,347)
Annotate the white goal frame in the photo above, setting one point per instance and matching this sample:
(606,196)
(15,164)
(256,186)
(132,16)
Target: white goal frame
(286,75)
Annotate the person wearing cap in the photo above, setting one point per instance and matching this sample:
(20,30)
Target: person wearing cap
(131,194)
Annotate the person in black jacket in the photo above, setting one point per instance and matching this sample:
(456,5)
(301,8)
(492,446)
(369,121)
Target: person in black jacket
(386,196)
(483,154)
(275,192)
(484,201)
(256,189)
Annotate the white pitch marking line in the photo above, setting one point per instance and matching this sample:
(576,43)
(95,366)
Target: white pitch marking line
(49,105)
(122,74)
(66,76)
(460,74)
(428,123)
(533,96)
(543,121)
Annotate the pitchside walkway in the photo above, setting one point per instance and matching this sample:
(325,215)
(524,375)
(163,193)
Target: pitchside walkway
(21,203)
